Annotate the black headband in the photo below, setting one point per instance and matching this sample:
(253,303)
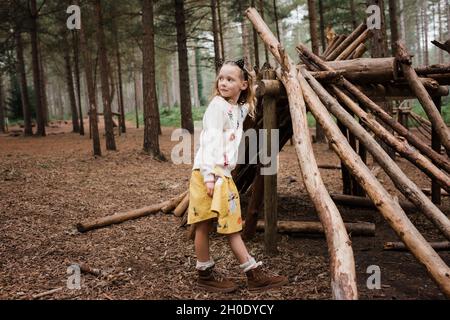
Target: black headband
(240,63)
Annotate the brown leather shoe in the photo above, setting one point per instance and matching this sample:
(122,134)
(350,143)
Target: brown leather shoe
(259,280)
(213,281)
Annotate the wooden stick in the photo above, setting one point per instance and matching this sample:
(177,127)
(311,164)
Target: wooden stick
(182,206)
(343,275)
(174,202)
(363,37)
(359,51)
(330,45)
(400,246)
(438,159)
(427,103)
(312,227)
(46,293)
(340,39)
(120,217)
(329,166)
(348,41)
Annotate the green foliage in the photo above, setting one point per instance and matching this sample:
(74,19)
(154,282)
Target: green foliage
(14,101)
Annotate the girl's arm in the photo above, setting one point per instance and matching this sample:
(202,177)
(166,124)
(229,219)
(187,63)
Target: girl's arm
(211,139)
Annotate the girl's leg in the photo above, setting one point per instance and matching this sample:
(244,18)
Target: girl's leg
(238,247)
(202,240)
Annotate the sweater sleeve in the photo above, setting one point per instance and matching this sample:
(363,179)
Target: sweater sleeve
(211,138)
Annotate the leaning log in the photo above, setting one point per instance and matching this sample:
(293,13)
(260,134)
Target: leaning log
(312,227)
(438,159)
(343,276)
(120,217)
(400,246)
(427,103)
(387,206)
(363,202)
(363,37)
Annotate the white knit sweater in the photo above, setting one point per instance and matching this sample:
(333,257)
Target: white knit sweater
(220,138)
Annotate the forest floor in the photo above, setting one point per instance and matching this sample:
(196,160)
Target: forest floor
(47,185)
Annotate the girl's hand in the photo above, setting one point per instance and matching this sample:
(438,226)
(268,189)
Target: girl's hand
(210,188)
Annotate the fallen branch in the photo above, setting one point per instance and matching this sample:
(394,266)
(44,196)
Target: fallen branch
(120,217)
(312,227)
(400,246)
(46,293)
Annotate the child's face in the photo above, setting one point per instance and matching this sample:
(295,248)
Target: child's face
(230,82)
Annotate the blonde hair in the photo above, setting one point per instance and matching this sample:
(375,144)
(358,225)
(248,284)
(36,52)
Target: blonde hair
(248,95)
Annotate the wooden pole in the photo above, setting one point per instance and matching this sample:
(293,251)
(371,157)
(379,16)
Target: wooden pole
(342,265)
(270,180)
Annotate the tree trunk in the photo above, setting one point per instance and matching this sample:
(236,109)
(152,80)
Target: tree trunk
(90,84)
(2,106)
(219,17)
(106,93)
(119,76)
(255,42)
(70,86)
(425,31)
(353,14)
(43,88)
(136,100)
(419,37)
(195,81)
(394,24)
(402,34)
(261,12)
(77,78)
(185,95)
(275,13)
(379,49)
(322,26)
(441,35)
(199,77)
(26,107)
(150,108)
(320,135)
(217,55)
(36,69)
(343,278)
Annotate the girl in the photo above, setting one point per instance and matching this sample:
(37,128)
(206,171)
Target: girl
(212,192)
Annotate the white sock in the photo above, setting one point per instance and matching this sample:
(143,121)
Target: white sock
(250,264)
(204,265)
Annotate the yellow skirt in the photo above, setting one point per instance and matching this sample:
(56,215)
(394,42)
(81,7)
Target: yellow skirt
(223,206)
